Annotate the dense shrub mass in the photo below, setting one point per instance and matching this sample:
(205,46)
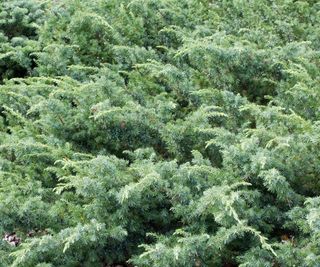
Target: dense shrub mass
(165,133)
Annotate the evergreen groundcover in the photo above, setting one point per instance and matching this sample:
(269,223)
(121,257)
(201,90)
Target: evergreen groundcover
(159,133)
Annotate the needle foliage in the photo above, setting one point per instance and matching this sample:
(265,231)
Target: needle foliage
(179,133)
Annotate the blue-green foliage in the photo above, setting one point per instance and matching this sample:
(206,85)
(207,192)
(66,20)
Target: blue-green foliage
(162,133)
